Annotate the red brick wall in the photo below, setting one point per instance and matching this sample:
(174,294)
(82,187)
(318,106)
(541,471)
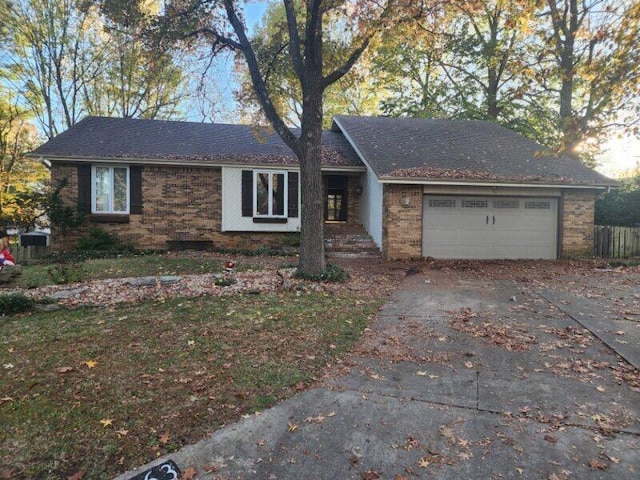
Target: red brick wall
(179,204)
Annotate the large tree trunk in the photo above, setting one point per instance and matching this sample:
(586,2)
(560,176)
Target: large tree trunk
(312,261)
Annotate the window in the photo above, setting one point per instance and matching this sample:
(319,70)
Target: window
(440,203)
(269,196)
(270,193)
(475,204)
(537,205)
(506,204)
(110,189)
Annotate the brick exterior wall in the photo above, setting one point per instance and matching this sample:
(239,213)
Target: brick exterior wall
(353,200)
(578,209)
(402,223)
(180,204)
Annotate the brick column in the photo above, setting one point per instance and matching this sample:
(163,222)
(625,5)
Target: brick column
(578,209)
(402,221)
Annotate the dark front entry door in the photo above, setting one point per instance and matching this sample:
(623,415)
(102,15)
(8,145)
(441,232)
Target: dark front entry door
(335,207)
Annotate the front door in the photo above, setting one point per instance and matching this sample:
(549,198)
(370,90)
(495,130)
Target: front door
(335,207)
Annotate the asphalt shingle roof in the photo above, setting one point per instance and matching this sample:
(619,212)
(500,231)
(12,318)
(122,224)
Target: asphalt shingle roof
(121,138)
(473,150)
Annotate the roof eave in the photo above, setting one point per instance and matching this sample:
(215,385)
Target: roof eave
(187,163)
(426,181)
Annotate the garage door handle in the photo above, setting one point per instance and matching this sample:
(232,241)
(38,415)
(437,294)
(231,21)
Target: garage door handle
(487,219)
(494,219)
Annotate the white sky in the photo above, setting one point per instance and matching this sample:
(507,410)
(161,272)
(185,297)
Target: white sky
(621,156)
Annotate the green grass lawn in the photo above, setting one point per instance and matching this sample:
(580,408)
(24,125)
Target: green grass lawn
(103,390)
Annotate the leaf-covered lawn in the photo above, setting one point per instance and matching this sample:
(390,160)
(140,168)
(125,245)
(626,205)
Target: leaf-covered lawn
(51,272)
(102,390)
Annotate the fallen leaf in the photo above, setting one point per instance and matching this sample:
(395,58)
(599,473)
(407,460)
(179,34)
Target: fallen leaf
(424,462)
(468,364)
(370,475)
(190,473)
(77,476)
(122,433)
(598,465)
(292,427)
(106,422)
(601,389)
(164,438)
(550,439)
(91,363)
(64,369)
(520,470)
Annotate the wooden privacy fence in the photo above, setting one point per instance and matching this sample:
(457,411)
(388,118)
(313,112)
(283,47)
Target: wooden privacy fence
(23,254)
(616,242)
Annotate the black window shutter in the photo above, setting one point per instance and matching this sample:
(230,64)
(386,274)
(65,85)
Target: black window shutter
(247,193)
(135,192)
(84,188)
(293,195)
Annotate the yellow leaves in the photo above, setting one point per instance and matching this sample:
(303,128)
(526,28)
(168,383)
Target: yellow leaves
(292,427)
(90,363)
(424,462)
(106,422)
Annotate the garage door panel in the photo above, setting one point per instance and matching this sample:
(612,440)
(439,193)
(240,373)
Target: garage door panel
(489,227)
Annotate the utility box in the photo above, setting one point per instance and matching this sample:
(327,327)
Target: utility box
(34,239)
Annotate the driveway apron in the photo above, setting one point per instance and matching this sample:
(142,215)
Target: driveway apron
(455,379)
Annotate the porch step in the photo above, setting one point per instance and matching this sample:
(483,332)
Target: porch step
(349,241)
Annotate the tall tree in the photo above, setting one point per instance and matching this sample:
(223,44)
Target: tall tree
(50,61)
(21,180)
(70,58)
(592,63)
(351,94)
(140,76)
(466,61)
(221,22)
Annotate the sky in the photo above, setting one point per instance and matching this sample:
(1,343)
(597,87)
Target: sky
(620,158)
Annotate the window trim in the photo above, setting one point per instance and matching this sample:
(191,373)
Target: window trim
(111,211)
(284,186)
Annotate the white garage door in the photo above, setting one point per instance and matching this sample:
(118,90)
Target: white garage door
(489,227)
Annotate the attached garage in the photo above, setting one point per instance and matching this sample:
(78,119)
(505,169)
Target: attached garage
(481,227)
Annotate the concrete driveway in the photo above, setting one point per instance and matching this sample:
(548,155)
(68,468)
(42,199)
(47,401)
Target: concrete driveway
(464,374)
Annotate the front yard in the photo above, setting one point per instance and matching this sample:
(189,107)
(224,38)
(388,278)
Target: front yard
(88,391)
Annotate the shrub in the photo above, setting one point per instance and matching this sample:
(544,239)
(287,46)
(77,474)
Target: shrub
(65,273)
(15,303)
(333,274)
(98,239)
(224,281)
